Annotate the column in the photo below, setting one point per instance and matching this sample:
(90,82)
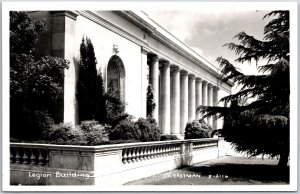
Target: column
(183,101)
(144,83)
(198,95)
(204,95)
(165,104)
(63,40)
(209,101)
(175,101)
(153,80)
(192,105)
(215,103)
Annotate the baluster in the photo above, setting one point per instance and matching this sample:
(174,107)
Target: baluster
(32,157)
(133,156)
(140,153)
(156,151)
(160,151)
(18,157)
(40,158)
(148,152)
(144,153)
(168,150)
(12,158)
(47,157)
(152,152)
(25,157)
(154,148)
(164,151)
(124,156)
(137,154)
(129,156)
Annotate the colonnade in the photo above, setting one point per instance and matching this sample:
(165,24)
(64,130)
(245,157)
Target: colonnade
(177,93)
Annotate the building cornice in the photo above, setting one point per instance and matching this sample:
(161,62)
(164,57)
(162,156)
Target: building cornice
(152,32)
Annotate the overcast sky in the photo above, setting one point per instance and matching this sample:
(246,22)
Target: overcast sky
(206,31)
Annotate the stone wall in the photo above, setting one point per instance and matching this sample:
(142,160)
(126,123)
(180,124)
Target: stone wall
(45,164)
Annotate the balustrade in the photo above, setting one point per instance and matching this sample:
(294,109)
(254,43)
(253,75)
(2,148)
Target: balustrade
(203,145)
(28,156)
(137,154)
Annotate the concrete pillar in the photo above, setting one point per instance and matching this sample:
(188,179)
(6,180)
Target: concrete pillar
(209,100)
(215,103)
(183,101)
(198,95)
(192,105)
(144,83)
(165,93)
(175,101)
(204,95)
(63,39)
(153,80)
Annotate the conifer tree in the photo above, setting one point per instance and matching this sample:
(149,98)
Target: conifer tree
(260,126)
(90,84)
(150,101)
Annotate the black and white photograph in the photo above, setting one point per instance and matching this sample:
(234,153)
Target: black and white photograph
(149,96)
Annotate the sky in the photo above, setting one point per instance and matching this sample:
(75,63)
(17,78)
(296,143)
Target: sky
(206,31)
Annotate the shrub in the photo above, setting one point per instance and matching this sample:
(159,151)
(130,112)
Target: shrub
(197,129)
(65,133)
(148,128)
(30,124)
(141,130)
(94,132)
(125,130)
(168,137)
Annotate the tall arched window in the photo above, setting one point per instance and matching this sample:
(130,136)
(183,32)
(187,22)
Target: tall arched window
(116,75)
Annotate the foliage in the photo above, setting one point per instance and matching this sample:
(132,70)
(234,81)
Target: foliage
(262,126)
(142,130)
(197,129)
(87,133)
(149,131)
(30,124)
(125,130)
(165,137)
(114,107)
(33,81)
(94,132)
(23,32)
(89,85)
(65,133)
(150,101)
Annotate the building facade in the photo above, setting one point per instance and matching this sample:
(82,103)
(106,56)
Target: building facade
(133,51)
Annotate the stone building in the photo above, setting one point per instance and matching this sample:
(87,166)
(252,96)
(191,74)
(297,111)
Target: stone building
(133,51)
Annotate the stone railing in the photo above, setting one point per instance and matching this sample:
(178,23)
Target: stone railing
(99,165)
(29,154)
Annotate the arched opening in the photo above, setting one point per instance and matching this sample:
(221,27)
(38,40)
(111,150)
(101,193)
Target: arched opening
(116,75)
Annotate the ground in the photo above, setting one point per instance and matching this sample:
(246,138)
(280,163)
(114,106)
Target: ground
(228,170)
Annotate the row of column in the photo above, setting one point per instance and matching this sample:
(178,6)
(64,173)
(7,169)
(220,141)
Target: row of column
(177,93)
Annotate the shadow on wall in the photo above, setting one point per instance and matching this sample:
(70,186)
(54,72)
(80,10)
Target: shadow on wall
(76,66)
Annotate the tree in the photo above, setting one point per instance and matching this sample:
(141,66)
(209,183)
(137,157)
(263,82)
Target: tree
(33,80)
(90,85)
(150,101)
(114,107)
(262,126)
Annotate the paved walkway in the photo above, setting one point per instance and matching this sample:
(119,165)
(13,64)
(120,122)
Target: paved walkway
(228,170)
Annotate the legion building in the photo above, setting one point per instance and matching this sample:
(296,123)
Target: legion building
(132,51)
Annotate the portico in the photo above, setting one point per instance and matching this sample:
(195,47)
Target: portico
(181,92)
